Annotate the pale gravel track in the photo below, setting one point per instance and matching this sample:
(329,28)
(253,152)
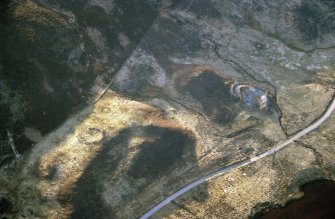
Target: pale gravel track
(224,170)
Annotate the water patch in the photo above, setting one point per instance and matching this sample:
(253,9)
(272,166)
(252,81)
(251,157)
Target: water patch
(250,96)
(318,202)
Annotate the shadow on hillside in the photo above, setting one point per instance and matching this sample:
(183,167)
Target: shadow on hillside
(160,152)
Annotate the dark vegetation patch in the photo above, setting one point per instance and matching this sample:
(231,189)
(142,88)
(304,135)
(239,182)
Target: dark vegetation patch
(164,149)
(174,37)
(157,156)
(52,173)
(5,151)
(87,193)
(34,51)
(5,206)
(200,194)
(315,19)
(222,98)
(129,17)
(210,90)
(3,7)
(32,66)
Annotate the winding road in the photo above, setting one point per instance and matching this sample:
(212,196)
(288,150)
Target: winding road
(219,172)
